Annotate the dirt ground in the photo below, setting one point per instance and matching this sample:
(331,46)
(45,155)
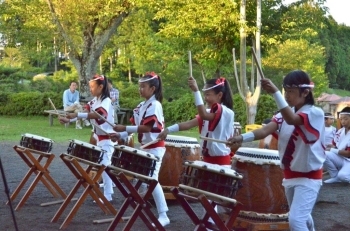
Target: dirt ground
(331,212)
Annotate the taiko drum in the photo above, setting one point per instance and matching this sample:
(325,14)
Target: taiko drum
(178,150)
(262,190)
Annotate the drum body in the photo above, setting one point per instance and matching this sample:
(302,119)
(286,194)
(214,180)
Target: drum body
(134,160)
(179,149)
(85,151)
(237,131)
(270,142)
(35,142)
(262,190)
(211,178)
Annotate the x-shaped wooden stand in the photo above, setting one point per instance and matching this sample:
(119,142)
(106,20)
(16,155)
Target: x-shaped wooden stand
(90,184)
(141,207)
(208,201)
(40,170)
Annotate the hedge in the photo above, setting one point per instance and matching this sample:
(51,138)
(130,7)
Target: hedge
(175,110)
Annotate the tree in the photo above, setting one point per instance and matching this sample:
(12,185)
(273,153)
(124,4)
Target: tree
(297,54)
(86,29)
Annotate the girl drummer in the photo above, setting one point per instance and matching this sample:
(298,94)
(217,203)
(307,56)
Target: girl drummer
(148,122)
(300,144)
(212,121)
(101,103)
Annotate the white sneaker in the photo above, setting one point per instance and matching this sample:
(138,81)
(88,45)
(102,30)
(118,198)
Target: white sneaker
(142,190)
(102,200)
(332,180)
(163,221)
(87,123)
(78,127)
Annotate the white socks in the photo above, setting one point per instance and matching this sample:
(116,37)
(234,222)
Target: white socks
(163,219)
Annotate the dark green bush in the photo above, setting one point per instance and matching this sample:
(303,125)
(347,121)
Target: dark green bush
(28,103)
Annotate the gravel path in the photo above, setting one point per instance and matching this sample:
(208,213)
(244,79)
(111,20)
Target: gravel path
(330,213)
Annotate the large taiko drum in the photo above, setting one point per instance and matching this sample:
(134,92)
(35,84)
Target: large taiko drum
(262,194)
(36,142)
(179,149)
(270,142)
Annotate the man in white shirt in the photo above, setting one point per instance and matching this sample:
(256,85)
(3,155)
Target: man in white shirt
(71,102)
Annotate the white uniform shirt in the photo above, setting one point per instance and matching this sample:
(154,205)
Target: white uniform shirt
(104,108)
(221,128)
(342,140)
(329,134)
(301,148)
(146,111)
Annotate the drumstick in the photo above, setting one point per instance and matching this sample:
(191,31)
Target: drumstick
(215,140)
(53,105)
(103,118)
(190,62)
(104,131)
(257,64)
(149,143)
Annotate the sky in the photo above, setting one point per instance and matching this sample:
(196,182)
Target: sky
(339,9)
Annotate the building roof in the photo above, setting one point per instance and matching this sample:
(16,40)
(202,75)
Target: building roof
(328,97)
(341,100)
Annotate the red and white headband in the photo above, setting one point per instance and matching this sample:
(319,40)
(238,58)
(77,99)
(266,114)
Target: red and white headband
(219,82)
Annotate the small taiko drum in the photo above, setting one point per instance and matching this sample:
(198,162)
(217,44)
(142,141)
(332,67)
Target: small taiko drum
(179,149)
(270,142)
(35,142)
(237,128)
(210,178)
(134,160)
(262,193)
(85,151)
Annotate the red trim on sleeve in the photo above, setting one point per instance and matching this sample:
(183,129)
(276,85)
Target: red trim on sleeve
(87,107)
(132,120)
(149,119)
(102,112)
(217,109)
(308,127)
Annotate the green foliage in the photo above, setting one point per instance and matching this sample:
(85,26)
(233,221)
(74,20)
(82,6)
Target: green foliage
(28,103)
(297,54)
(266,108)
(180,110)
(129,96)
(239,108)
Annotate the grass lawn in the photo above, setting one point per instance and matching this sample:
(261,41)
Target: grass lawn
(12,128)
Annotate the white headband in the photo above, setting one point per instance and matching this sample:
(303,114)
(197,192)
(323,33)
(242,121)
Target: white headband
(332,117)
(344,113)
(206,89)
(300,85)
(145,80)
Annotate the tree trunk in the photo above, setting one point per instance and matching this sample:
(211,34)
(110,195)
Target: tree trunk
(253,102)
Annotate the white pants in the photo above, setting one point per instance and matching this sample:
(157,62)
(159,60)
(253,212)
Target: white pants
(337,166)
(301,194)
(158,194)
(75,108)
(107,146)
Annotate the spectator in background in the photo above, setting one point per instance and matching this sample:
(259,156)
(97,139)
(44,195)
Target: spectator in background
(71,103)
(329,129)
(114,95)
